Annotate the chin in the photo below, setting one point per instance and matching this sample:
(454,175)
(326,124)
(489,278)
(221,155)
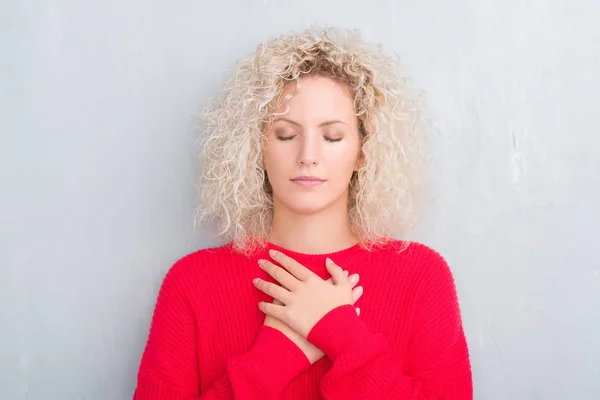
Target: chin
(310,206)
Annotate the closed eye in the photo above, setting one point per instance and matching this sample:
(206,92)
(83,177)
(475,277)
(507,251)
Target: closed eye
(331,140)
(284,138)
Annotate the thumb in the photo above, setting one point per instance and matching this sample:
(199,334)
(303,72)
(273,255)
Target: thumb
(336,272)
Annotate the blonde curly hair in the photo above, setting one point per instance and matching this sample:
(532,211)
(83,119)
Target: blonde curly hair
(234,192)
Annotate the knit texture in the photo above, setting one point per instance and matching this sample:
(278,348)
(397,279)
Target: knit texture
(207,339)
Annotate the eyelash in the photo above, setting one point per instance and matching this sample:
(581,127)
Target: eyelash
(283,139)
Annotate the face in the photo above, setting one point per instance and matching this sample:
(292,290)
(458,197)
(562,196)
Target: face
(312,151)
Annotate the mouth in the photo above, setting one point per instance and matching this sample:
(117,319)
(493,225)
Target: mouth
(307,181)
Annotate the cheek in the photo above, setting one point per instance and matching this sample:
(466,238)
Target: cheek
(342,158)
(277,162)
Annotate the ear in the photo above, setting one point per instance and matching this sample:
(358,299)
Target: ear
(359,161)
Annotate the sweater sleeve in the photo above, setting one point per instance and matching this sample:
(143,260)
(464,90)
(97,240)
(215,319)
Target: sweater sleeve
(437,365)
(169,366)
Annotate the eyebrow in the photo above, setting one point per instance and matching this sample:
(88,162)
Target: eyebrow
(325,123)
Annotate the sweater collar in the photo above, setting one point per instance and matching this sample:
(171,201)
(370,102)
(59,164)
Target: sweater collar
(339,257)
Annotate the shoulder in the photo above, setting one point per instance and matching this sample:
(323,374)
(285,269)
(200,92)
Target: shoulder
(410,251)
(418,258)
(429,273)
(201,262)
(224,251)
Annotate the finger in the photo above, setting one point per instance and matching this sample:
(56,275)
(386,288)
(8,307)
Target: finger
(358,311)
(353,279)
(356,293)
(273,310)
(273,290)
(284,278)
(336,272)
(292,266)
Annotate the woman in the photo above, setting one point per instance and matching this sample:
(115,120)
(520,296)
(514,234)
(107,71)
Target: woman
(310,164)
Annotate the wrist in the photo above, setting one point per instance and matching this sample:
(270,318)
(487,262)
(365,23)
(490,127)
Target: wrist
(338,330)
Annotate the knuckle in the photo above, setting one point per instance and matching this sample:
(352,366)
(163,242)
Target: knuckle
(269,266)
(277,274)
(288,314)
(269,288)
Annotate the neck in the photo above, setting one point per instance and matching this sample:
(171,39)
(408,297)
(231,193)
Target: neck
(324,232)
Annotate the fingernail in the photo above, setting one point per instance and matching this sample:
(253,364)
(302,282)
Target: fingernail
(272,253)
(255,280)
(346,273)
(354,279)
(328,260)
(359,290)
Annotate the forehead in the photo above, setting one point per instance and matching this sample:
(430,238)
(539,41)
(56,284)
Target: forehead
(318,97)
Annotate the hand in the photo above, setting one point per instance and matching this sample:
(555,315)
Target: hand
(305,297)
(312,352)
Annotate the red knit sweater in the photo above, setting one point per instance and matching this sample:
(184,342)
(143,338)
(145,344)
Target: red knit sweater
(207,339)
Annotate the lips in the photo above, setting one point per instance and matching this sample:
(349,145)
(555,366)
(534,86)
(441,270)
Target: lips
(307,179)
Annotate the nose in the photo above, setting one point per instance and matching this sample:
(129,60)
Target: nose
(309,150)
